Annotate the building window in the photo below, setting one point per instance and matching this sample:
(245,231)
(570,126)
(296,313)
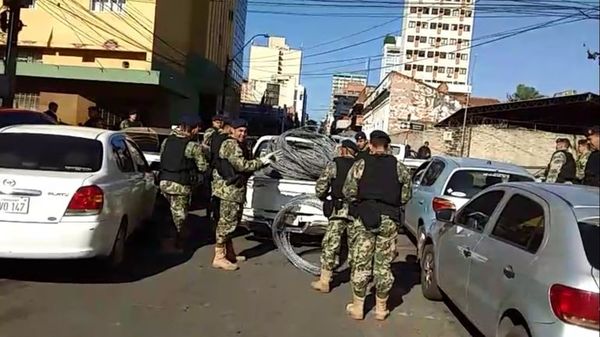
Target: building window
(429,54)
(444,42)
(467,28)
(454,27)
(450,71)
(425,10)
(441,70)
(452,42)
(108,5)
(432,41)
(421,53)
(468,14)
(408,67)
(425,25)
(443,55)
(455,12)
(413,10)
(428,69)
(435,11)
(411,24)
(433,25)
(445,26)
(423,39)
(464,57)
(447,12)
(410,38)
(463,71)
(466,43)
(420,67)
(451,56)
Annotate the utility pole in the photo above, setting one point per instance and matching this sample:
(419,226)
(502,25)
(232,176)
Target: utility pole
(11,24)
(464,126)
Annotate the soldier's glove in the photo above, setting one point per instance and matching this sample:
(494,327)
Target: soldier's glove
(269,157)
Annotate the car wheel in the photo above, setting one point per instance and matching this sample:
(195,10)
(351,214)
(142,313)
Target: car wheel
(429,285)
(117,255)
(510,329)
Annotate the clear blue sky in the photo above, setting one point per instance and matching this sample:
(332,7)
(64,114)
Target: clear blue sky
(551,59)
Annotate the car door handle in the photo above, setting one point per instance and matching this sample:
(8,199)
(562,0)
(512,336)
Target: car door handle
(509,272)
(421,202)
(466,252)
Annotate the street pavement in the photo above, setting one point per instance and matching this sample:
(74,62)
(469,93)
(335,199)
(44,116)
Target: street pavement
(159,296)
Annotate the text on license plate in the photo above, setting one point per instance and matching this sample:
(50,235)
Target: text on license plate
(14,205)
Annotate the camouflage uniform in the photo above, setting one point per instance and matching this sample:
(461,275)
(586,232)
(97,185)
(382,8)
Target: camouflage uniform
(208,135)
(178,195)
(373,253)
(581,162)
(338,222)
(129,124)
(231,197)
(556,163)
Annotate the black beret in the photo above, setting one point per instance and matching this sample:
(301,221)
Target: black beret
(347,143)
(239,123)
(360,135)
(217,118)
(594,130)
(378,134)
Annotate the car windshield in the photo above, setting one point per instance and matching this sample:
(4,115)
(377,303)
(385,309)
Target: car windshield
(590,235)
(396,150)
(43,152)
(467,183)
(8,118)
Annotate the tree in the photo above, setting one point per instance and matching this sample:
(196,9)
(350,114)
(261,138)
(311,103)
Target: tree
(524,93)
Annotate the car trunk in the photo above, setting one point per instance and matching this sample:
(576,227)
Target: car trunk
(28,196)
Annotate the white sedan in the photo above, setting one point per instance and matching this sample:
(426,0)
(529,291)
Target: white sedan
(71,192)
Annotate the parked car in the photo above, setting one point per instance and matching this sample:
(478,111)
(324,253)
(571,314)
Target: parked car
(71,192)
(520,260)
(449,182)
(21,116)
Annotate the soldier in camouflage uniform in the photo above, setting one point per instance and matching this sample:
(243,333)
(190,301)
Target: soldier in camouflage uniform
(181,161)
(231,191)
(330,184)
(377,187)
(562,167)
(217,125)
(131,122)
(583,150)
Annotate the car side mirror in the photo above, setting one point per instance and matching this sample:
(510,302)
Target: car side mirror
(445,215)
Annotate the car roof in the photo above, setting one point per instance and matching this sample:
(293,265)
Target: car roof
(574,195)
(63,130)
(144,129)
(3,110)
(477,163)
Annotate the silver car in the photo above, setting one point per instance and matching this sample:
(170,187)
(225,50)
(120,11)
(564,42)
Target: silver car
(449,182)
(520,260)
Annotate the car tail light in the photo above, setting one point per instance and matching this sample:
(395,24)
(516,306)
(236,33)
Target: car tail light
(439,204)
(574,306)
(88,200)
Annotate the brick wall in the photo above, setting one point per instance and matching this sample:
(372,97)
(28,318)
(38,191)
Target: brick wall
(524,147)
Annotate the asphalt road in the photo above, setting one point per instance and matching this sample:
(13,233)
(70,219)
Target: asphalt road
(158,296)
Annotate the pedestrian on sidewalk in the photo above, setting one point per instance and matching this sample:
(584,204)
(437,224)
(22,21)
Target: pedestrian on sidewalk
(329,190)
(376,187)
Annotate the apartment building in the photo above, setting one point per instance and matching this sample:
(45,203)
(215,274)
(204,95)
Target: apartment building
(436,42)
(150,55)
(392,56)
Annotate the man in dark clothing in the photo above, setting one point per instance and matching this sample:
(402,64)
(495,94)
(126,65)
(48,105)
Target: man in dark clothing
(52,111)
(424,152)
(363,144)
(592,167)
(94,120)
(562,167)
(131,121)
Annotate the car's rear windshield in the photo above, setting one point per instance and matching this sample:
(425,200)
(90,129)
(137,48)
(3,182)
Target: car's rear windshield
(8,118)
(590,235)
(41,152)
(467,183)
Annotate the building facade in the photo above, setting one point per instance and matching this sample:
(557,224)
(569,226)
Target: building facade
(392,56)
(339,84)
(436,42)
(161,59)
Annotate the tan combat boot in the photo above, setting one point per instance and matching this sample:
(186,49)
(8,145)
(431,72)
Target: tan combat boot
(220,261)
(356,308)
(231,255)
(322,284)
(381,310)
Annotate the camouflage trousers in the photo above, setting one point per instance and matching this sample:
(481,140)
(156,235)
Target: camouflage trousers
(372,256)
(332,242)
(179,205)
(229,216)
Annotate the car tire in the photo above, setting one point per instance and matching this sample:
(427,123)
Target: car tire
(509,329)
(117,255)
(429,285)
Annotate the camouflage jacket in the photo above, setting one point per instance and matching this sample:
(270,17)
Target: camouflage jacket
(350,188)
(323,187)
(208,136)
(192,151)
(556,163)
(581,163)
(231,151)
(129,124)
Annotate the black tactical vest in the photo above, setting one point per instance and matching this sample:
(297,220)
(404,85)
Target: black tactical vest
(342,166)
(216,141)
(592,170)
(363,154)
(568,172)
(174,164)
(379,182)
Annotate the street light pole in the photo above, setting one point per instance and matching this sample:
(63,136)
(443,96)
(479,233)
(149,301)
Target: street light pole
(228,64)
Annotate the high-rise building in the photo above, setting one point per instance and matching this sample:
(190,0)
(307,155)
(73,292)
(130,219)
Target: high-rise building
(436,42)
(392,56)
(276,63)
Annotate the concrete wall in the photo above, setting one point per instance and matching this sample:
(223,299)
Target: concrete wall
(524,147)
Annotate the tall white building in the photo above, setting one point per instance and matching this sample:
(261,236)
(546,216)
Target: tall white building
(392,56)
(436,42)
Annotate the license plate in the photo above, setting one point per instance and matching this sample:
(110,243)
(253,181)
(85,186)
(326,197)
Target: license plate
(14,205)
